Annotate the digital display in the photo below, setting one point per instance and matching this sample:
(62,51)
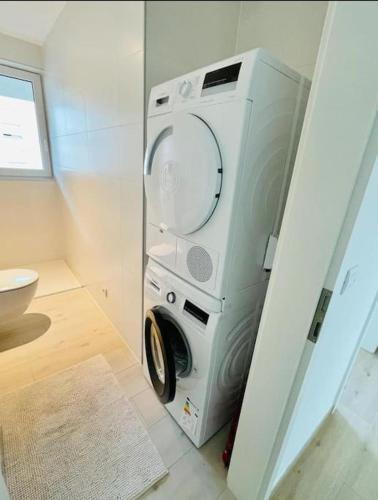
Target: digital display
(195,311)
(222,76)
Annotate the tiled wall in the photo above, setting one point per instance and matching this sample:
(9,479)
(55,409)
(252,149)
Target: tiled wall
(30,218)
(94,89)
(183,36)
(30,222)
(291,30)
(207,31)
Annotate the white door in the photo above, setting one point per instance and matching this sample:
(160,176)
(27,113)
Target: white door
(183,174)
(338,122)
(370,340)
(343,328)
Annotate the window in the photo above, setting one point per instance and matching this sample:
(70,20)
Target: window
(23,135)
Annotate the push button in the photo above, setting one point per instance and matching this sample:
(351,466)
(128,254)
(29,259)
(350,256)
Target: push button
(171,297)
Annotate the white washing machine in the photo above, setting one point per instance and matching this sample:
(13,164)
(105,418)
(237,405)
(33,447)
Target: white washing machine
(221,143)
(195,356)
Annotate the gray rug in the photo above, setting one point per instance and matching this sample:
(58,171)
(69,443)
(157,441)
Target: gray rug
(75,435)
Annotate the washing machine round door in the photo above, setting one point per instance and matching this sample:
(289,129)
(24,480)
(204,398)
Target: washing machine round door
(167,352)
(183,174)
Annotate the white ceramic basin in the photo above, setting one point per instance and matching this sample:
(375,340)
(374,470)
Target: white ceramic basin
(17,289)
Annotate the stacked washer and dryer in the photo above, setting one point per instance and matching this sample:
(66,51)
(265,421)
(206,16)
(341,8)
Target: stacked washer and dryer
(221,143)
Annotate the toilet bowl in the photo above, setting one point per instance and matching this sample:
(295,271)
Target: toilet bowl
(17,289)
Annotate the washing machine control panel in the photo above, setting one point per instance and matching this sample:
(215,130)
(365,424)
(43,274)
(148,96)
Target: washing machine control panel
(187,89)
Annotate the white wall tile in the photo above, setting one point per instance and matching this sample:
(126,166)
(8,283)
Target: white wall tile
(183,36)
(30,222)
(291,30)
(130,89)
(170,440)
(94,73)
(131,151)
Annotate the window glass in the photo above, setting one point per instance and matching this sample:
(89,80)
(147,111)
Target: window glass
(22,152)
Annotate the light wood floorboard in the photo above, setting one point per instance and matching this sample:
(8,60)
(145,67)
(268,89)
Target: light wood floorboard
(341,463)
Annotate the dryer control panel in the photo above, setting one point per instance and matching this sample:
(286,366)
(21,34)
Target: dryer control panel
(218,82)
(221,81)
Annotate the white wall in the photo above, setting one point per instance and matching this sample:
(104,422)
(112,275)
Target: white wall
(30,216)
(30,222)
(291,30)
(182,36)
(338,121)
(94,88)
(21,52)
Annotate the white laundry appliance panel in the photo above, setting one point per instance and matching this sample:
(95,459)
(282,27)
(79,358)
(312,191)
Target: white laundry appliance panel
(221,350)
(218,165)
(209,240)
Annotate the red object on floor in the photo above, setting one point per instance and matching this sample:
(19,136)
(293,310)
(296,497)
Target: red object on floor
(226,456)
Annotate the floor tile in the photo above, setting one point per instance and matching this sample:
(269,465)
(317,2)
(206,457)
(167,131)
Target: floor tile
(149,407)
(132,380)
(120,359)
(211,452)
(191,478)
(226,495)
(170,440)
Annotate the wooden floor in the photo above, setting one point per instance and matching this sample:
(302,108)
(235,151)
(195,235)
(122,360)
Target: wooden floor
(341,463)
(64,329)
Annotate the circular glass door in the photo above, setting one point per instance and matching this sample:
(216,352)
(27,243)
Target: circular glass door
(183,174)
(167,353)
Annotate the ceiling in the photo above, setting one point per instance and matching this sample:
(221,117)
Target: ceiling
(30,21)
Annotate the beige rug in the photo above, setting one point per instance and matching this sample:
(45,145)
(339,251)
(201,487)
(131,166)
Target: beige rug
(75,435)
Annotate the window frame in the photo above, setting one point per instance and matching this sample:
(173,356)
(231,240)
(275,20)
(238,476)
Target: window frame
(36,81)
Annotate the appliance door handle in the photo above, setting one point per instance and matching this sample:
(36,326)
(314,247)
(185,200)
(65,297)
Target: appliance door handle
(151,149)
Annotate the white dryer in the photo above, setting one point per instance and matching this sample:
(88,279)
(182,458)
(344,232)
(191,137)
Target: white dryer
(196,357)
(221,143)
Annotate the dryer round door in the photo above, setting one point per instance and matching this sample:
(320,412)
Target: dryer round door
(183,174)
(167,352)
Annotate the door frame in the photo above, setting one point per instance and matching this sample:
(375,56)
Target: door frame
(338,121)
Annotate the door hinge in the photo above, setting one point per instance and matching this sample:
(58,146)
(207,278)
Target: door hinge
(321,310)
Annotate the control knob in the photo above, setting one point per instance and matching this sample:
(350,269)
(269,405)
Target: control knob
(171,297)
(185,88)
